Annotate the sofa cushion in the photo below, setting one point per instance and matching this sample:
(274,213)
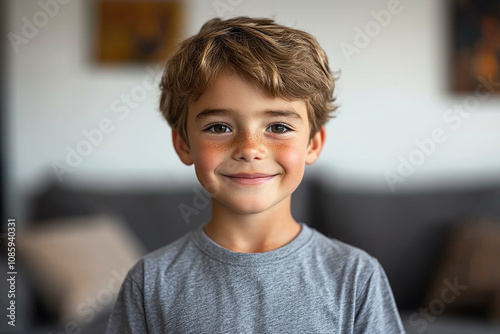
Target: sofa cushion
(78,263)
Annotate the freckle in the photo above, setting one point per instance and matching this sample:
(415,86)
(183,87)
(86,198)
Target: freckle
(220,147)
(279,146)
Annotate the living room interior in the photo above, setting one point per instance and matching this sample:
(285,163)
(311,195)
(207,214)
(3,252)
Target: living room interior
(410,171)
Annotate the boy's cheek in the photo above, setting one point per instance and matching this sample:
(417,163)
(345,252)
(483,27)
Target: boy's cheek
(206,162)
(207,157)
(290,158)
(293,149)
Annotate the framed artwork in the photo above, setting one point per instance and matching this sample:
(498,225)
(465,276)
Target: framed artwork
(475,57)
(136,31)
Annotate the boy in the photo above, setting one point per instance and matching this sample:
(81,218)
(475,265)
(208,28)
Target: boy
(247,100)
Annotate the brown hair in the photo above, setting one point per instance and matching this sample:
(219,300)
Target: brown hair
(285,62)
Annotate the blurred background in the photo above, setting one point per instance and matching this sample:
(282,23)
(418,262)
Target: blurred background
(410,171)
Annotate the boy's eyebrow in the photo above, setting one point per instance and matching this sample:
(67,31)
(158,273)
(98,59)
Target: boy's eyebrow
(285,113)
(212,112)
(224,112)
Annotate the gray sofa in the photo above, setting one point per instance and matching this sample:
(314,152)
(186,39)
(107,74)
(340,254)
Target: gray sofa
(405,231)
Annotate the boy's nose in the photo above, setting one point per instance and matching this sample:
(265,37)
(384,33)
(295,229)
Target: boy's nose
(249,147)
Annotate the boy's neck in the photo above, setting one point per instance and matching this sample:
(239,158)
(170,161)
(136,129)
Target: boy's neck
(252,233)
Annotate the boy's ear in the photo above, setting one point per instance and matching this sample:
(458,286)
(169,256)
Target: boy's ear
(182,148)
(315,146)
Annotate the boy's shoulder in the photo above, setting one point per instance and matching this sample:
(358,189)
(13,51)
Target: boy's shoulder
(339,248)
(169,251)
(338,254)
(161,258)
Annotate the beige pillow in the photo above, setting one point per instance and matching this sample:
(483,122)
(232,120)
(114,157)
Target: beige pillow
(79,263)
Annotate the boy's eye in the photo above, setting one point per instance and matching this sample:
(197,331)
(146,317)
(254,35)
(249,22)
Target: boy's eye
(278,128)
(218,128)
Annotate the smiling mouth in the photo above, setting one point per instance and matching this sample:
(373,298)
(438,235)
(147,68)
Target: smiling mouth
(249,178)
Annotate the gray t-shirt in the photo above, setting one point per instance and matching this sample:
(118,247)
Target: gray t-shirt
(313,284)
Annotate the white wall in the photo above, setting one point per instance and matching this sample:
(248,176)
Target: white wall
(392,93)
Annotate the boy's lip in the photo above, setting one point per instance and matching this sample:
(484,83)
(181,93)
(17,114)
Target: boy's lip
(249,178)
(249,175)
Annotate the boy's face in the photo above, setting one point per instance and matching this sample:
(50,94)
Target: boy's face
(249,149)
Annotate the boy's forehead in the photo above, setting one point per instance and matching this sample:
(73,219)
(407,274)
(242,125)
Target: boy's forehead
(233,93)
(227,81)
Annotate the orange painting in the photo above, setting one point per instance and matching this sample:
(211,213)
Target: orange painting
(136,31)
(476,45)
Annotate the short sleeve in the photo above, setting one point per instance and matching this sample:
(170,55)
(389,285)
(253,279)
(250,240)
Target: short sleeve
(127,316)
(376,308)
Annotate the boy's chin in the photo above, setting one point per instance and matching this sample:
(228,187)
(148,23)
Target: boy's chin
(248,206)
